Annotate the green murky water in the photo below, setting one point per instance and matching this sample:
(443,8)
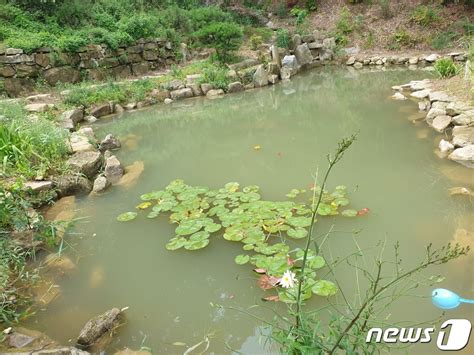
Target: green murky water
(391,170)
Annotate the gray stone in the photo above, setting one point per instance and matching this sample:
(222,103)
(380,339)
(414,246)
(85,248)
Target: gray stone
(72,117)
(60,351)
(113,170)
(97,327)
(286,73)
(215,93)
(260,77)
(296,41)
(329,43)
(275,54)
(37,186)
(90,119)
(39,107)
(358,65)
(101,110)
(168,101)
(421,94)
(72,184)
(196,88)
(110,142)
(303,54)
(140,68)
(7,71)
(440,105)
(424,105)
(433,112)
(439,96)
(464,156)
(247,63)
(445,146)
(440,123)
(206,87)
(235,87)
(413,60)
(181,94)
(100,184)
(416,85)
(273,79)
(18,340)
(81,142)
(16,59)
(464,119)
(290,62)
(432,58)
(273,69)
(87,163)
(398,96)
(39,98)
(456,108)
(13,51)
(351,61)
(61,74)
(463,136)
(118,109)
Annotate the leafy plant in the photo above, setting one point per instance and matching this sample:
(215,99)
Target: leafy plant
(224,37)
(216,76)
(299,14)
(345,22)
(401,38)
(283,38)
(385,8)
(424,15)
(255,41)
(446,68)
(311,5)
(443,40)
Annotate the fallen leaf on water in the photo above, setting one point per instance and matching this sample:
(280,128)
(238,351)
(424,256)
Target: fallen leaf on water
(260,271)
(257,147)
(271,298)
(363,211)
(266,282)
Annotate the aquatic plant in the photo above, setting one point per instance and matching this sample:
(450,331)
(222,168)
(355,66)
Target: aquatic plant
(264,228)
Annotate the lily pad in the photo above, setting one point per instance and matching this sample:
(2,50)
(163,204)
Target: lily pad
(188,226)
(176,243)
(144,205)
(196,244)
(242,259)
(154,195)
(297,233)
(349,213)
(127,216)
(299,221)
(212,227)
(199,236)
(324,288)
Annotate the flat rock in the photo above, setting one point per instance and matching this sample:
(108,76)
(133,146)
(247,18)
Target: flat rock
(440,123)
(87,163)
(432,58)
(420,94)
(72,184)
(71,118)
(439,96)
(433,112)
(101,183)
(39,107)
(464,156)
(81,143)
(459,190)
(101,110)
(97,327)
(463,136)
(37,186)
(168,101)
(181,94)
(39,98)
(424,105)
(110,142)
(456,108)
(60,351)
(215,93)
(466,118)
(398,96)
(18,340)
(260,77)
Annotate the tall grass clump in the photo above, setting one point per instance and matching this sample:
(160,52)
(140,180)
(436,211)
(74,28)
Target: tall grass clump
(446,68)
(29,145)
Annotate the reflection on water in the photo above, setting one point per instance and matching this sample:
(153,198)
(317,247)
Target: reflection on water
(390,170)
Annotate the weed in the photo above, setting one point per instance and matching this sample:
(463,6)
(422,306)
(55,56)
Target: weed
(446,68)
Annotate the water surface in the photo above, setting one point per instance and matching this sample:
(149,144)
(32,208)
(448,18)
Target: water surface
(391,170)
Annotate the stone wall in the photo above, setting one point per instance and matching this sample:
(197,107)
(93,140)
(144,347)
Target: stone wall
(19,70)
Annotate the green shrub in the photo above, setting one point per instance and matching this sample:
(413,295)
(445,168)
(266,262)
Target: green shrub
(300,14)
(255,41)
(29,41)
(203,16)
(401,38)
(446,68)
(282,9)
(283,38)
(385,8)
(216,76)
(424,15)
(443,40)
(223,37)
(72,42)
(311,5)
(139,26)
(345,23)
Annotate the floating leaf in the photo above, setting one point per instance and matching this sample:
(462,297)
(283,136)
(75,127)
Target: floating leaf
(176,243)
(257,147)
(324,209)
(248,247)
(251,188)
(266,282)
(144,205)
(349,213)
(196,244)
(232,186)
(324,288)
(199,236)
(271,298)
(316,262)
(188,226)
(154,195)
(153,214)
(297,233)
(242,259)
(127,216)
(212,227)
(299,221)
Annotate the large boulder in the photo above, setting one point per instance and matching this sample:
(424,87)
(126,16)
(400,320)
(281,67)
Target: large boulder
(235,87)
(83,140)
(215,93)
(439,96)
(113,170)
(110,142)
(290,62)
(69,119)
(463,136)
(101,110)
(181,93)
(72,184)
(61,74)
(464,156)
(39,107)
(97,327)
(260,77)
(101,183)
(205,88)
(303,54)
(466,118)
(456,108)
(434,112)
(87,163)
(440,123)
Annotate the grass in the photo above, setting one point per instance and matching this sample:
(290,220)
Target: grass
(26,147)
(446,68)
(425,15)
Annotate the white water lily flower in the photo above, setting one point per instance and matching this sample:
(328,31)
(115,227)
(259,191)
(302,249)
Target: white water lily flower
(288,279)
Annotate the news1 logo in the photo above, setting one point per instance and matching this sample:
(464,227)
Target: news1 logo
(453,335)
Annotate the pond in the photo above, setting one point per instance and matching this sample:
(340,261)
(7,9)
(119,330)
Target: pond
(391,170)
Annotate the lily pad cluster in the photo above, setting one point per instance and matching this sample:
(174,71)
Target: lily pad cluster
(264,228)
